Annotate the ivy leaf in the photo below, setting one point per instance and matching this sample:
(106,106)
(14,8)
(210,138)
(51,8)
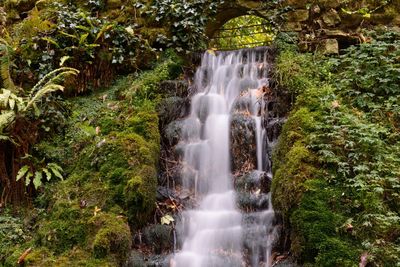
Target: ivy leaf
(83,38)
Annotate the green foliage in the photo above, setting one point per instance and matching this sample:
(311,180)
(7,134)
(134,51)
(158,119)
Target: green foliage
(353,141)
(13,105)
(18,110)
(12,232)
(144,89)
(36,177)
(297,72)
(186,21)
(65,228)
(79,31)
(369,75)
(317,221)
(367,9)
(243,32)
(75,35)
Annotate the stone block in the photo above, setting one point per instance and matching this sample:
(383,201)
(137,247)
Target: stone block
(329,3)
(331,18)
(292,27)
(111,4)
(396,20)
(297,3)
(298,15)
(315,9)
(328,47)
(335,33)
(250,4)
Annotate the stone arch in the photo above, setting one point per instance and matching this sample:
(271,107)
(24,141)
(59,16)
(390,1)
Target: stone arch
(321,24)
(230,11)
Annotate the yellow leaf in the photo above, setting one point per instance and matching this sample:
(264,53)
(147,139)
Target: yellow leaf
(211,51)
(130,30)
(96,210)
(167,219)
(367,15)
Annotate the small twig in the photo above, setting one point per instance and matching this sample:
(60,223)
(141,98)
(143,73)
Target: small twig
(21,259)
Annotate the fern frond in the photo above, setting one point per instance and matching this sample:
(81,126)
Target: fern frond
(48,88)
(53,77)
(10,101)
(103,30)
(6,118)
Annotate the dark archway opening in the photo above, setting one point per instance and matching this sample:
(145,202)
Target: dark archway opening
(244,31)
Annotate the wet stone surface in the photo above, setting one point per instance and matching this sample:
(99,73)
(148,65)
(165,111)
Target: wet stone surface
(243,142)
(254,180)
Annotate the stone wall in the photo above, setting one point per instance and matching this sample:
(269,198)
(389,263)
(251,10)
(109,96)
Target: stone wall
(329,25)
(325,25)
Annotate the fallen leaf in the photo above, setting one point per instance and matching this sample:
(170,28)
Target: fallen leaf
(167,219)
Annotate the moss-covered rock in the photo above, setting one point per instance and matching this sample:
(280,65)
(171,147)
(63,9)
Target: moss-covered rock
(315,228)
(65,228)
(112,236)
(140,195)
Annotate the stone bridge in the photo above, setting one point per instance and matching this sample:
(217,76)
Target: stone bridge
(327,25)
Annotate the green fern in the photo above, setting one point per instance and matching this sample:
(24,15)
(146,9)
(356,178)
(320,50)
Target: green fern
(51,170)
(12,105)
(47,85)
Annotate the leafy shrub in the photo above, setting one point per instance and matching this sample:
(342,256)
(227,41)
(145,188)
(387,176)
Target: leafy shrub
(369,74)
(354,142)
(12,232)
(186,21)
(77,37)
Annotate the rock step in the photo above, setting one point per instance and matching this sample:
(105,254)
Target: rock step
(174,88)
(214,219)
(217,259)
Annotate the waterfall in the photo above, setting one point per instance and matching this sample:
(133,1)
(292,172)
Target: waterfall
(217,230)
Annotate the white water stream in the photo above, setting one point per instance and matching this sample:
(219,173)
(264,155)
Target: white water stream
(214,231)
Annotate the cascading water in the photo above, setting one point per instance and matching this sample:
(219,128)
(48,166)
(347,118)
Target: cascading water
(216,232)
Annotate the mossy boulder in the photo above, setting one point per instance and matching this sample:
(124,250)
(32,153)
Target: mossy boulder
(65,228)
(145,123)
(254,180)
(140,195)
(41,256)
(172,108)
(315,228)
(112,236)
